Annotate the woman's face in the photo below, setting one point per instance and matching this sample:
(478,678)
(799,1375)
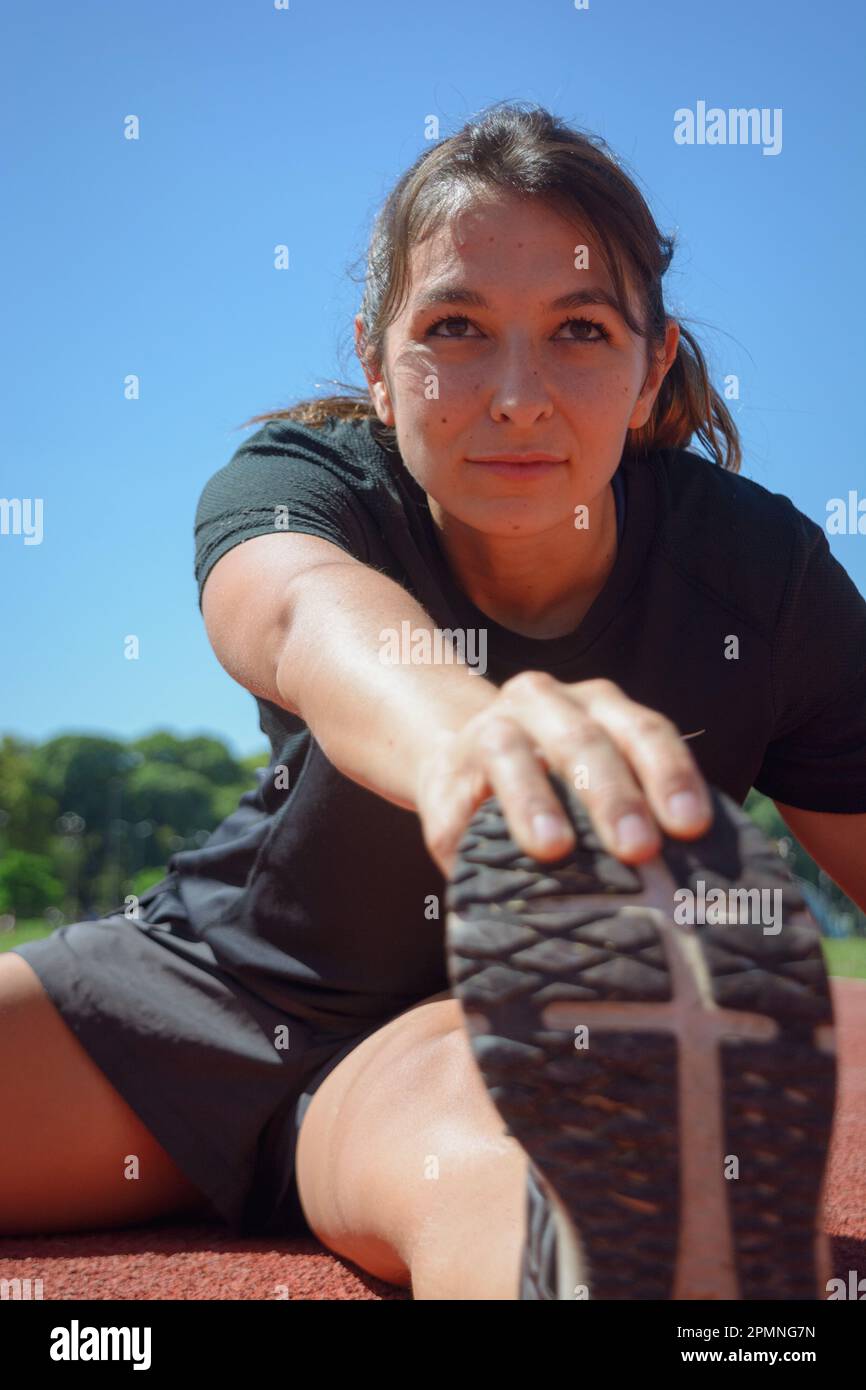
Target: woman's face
(514,374)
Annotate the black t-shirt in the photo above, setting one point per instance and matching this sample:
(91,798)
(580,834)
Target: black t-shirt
(323,883)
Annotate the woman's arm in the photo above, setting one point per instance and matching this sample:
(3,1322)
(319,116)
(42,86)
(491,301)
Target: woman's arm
(297,620)
(835,841)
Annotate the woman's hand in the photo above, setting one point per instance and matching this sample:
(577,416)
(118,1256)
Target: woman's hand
(627,762)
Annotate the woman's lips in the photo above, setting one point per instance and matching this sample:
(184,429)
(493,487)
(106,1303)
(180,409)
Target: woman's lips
(520,466)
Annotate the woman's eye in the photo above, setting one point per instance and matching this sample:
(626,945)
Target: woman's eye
(587,323)
(458,318)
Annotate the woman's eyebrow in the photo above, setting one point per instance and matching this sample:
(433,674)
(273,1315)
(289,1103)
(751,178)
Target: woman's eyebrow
(461,294)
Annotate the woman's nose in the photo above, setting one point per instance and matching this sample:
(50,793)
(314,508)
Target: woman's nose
(519,389)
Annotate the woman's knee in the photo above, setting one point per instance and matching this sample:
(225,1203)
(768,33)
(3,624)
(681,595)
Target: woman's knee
(406,1121)
(370,1097)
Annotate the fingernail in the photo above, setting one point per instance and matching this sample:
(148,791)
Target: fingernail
(686,807)
(548,829)
(633,831)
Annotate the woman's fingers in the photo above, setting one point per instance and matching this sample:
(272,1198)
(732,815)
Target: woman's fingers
(582,751)
(518,778)
(627,762)
(673,782)
(452,784)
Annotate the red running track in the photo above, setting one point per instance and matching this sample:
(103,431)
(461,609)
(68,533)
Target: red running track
(170,1261)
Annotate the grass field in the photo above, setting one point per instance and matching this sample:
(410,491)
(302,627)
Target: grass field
(843,957)
(24,931)
(846,957)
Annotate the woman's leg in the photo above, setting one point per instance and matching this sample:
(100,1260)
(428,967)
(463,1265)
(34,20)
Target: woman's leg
(66,1133)
(404,1166)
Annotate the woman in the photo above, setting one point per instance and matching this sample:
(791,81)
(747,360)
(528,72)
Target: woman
(517,652)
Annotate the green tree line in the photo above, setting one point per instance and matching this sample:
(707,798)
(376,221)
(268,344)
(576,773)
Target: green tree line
(86,820)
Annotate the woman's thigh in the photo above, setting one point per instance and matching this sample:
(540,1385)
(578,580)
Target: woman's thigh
(68,1141)
(400,1115)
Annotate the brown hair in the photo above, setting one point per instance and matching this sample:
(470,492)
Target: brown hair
(530,152)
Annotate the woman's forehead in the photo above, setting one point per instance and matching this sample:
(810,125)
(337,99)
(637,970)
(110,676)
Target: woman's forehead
(504,218)
(502,234)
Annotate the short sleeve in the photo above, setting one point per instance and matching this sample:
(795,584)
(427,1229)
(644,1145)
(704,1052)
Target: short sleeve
(286,477)
(817,757)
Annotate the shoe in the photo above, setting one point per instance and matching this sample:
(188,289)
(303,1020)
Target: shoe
(550,1236)
(663,1052)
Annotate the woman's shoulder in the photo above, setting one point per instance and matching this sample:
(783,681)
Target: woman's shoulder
(691,475)
(730,533)
(335,450)
(286,429)
(698,495)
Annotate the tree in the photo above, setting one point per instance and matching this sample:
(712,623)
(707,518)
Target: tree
(27,810)
(207,756)
(75,770)
(27,884)
(170,794)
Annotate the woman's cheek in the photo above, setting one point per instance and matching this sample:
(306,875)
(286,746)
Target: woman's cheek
(606,395)
(414,368)
(451,382)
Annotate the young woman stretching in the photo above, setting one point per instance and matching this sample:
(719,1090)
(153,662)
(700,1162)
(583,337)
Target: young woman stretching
(489,983)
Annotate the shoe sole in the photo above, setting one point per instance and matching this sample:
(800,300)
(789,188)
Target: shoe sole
(673,1084)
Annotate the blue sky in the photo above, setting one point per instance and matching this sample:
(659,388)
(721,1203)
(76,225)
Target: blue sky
(261,126)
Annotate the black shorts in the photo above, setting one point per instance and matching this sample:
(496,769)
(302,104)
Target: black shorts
(198,1057)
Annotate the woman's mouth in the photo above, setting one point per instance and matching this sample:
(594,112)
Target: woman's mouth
(519,465)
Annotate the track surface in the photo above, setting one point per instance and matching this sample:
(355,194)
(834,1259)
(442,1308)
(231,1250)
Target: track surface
(171,1261)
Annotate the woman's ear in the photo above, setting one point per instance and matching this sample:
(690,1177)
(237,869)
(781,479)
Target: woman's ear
(661,365)
(377,385)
